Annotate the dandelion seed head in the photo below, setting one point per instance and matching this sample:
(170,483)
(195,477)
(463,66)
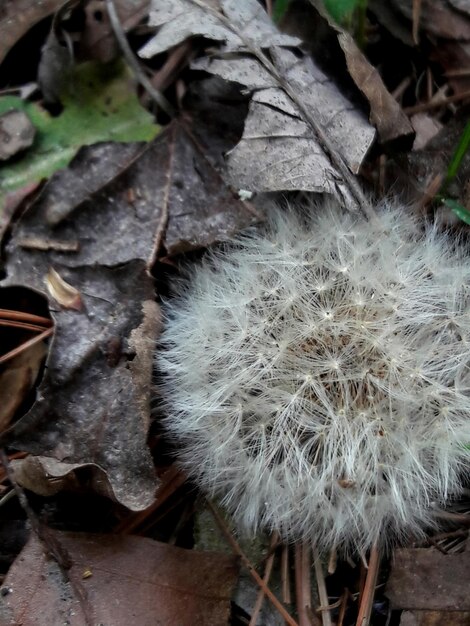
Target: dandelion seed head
(316,375)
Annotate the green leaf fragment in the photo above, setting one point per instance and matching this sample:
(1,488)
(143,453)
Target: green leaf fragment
(459,153)
(341,10)
(458,209)
(280,7)
(99,104)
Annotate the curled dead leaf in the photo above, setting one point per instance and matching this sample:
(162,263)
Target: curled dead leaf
(65,294)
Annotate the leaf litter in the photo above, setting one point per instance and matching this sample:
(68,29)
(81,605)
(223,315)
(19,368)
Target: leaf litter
(87,240)
(99,104)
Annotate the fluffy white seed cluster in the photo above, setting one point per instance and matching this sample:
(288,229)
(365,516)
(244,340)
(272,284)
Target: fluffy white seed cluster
(316,375)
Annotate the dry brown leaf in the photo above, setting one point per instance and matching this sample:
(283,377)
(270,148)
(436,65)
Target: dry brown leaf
(64,294)
(426,128)
(179,19)
(18,16)
(17,380)
(435,618)
(385,112)
(97,41)
(293,102)
(112,211)
(118,580)
(426,579)
(46,476)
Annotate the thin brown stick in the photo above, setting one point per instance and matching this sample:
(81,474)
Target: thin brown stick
(332,561)
(178,58)
(343,607)
(400,89)
(23,325)
(437,104)
(171,481)
(416,20)
(457,518)
(367,597)
(27,344)
(20,316)
(159,235)
(268,568)
(322,592)
(302,582)
(457,73)
(250,567)
(285,578)
(133,62)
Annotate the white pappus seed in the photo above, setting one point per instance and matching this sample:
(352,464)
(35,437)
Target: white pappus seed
(320,386)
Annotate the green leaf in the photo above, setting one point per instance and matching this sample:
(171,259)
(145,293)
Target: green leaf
(458,209)
(280,7)
(341,10)
(459,154)
(99,104)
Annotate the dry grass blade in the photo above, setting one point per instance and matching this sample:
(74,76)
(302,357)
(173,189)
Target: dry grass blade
(24,346)
(250,567)
(25,321)
(367,596)
(267,575)
(322,592)
(437,104)
(133,62)
(302,583)
(286,595)
(171,481)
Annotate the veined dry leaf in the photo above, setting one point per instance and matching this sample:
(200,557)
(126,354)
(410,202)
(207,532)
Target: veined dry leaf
(180,19)
(280,148)
(118,581)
